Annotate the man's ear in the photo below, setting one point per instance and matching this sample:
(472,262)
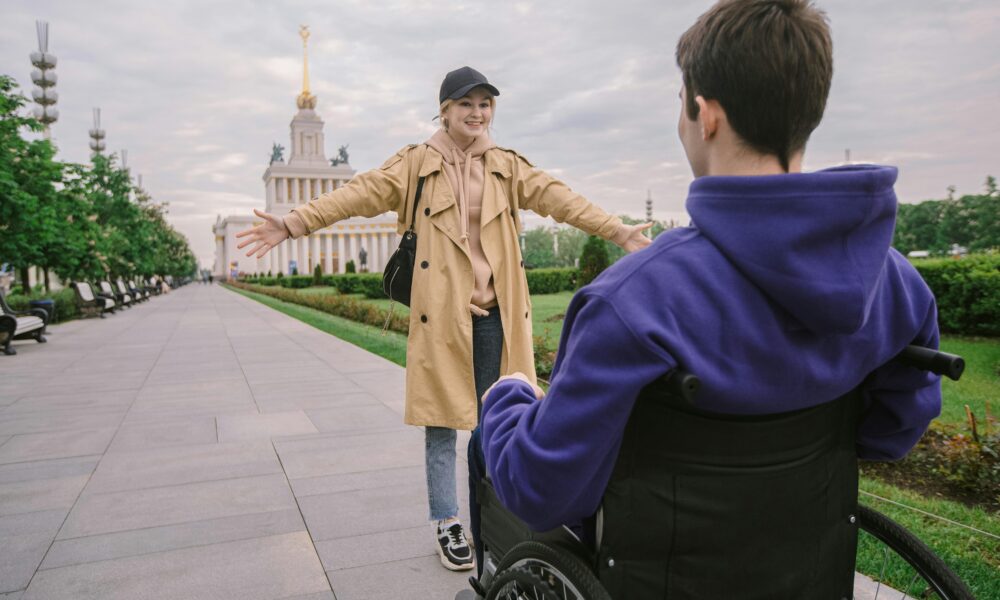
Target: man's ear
(710,113)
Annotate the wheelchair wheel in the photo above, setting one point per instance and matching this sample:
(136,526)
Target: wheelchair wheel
(894,557)
(541,572)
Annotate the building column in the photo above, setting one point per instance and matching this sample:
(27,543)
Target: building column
(313,251)
(280,250)
(295,190)
(383,239)
(328,254)
(340,252)
(272,189)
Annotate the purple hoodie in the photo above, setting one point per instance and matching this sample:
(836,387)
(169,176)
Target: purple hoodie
(782,294)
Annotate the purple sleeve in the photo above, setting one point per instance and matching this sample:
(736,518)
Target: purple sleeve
(902,402)
(550,461)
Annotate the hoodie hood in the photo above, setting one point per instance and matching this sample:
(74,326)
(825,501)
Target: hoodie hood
(823,271)
(465,172)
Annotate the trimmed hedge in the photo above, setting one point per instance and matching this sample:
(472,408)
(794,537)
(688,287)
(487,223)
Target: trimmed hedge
(551,281)
(339,305)
(65,303)
(967,292)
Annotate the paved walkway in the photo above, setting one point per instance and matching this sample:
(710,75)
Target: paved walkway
(202,445)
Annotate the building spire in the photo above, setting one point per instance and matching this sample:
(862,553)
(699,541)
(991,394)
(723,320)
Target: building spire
(305,99)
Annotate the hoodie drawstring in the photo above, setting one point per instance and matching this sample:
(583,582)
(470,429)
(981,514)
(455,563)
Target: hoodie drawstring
(464,182)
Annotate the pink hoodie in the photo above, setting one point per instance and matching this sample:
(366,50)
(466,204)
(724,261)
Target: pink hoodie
(466,174)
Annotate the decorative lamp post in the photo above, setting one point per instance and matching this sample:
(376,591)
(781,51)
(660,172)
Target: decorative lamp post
(649,206)
(97,135)
(44,77)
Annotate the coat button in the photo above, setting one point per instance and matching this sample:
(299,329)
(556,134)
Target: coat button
(423,318)
(424,264)
(522,263)
(525,314)
(427,212)
(512,213)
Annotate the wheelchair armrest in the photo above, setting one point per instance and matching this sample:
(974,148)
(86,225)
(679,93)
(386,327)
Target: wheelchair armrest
(927,359)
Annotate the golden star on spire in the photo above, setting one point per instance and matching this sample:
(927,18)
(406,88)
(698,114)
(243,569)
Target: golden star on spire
(305,99)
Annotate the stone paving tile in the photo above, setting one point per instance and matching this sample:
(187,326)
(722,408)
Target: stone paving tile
(174,465)
(355,418)
(243,569)
(97,548)
(331,454)
(319,399)
(60,420)
(264,426)
(25,539)
(153,507)
(93,400)
(48,469)
(58,444)
(374,548)
(40,494)
(421,578)
(179,432)
(364,511)
(362,480)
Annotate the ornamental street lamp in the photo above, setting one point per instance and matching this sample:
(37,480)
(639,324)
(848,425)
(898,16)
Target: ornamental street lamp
(97,135)
(44,77)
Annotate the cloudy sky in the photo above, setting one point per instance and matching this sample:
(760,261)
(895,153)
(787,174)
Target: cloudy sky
(197,91)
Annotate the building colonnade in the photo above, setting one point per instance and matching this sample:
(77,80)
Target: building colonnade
(331,250)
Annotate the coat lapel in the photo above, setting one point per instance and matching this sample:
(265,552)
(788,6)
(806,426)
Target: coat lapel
(442,203)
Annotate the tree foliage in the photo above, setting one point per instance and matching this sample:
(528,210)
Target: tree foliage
(593,260)
(972,222)
(78,221)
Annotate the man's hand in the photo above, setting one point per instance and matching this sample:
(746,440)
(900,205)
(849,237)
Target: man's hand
(539,394)
(264,236)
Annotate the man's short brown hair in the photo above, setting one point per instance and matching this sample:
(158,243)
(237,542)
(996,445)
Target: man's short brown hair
(768,63)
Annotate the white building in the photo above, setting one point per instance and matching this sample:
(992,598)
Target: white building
(306,175)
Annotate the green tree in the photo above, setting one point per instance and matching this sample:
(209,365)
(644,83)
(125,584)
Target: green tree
(26,171)
(538,248)
(570,244)
(593,260)
(318,275)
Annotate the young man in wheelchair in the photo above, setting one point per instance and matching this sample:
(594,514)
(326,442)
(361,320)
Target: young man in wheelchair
(783,297)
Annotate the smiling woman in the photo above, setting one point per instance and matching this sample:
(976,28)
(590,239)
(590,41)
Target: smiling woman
(470,317)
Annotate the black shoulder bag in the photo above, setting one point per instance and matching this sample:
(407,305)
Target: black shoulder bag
(398,275)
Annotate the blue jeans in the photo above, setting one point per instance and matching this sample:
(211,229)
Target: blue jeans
(486,360)
(439,442)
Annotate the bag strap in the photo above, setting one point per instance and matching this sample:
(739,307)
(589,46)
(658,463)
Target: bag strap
(416,201)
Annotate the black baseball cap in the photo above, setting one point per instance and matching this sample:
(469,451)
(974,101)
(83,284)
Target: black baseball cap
(458,83)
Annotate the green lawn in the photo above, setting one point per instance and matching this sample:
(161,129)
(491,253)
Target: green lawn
(974,556)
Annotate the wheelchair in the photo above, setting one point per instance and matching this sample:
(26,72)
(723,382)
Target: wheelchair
(702,505)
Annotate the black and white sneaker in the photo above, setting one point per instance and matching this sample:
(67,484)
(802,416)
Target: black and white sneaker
(454,549)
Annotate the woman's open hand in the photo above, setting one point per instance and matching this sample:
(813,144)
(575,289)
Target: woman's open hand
(630,237)
(539,393)
(265,236)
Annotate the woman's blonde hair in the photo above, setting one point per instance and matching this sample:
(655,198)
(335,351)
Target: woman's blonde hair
(448,102)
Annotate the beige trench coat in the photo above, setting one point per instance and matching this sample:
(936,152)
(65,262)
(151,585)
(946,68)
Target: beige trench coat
(440,386)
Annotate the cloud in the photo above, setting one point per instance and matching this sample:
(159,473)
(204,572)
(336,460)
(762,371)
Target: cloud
(197,92)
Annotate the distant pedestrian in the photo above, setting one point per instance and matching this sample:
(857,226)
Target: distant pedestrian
(470,316)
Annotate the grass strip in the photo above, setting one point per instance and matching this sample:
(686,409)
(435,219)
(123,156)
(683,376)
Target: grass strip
(973,556)
(391,346)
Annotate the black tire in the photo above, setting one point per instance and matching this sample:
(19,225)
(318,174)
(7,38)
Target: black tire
(935,573)
(554,573)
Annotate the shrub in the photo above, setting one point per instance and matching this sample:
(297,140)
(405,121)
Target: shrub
(297,281)
(551,281)
(65,307)
(593,260)
(967,292)
(318,275)
(349,267)
(339,305)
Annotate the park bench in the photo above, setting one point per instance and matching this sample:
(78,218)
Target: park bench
(91,304)
(141,292)
(20,324)
(153,286)
(108,291)
(125,291)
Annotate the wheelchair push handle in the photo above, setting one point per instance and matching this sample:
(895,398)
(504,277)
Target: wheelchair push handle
(927,359)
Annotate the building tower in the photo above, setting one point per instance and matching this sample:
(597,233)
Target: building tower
(44,77)
(97,135)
